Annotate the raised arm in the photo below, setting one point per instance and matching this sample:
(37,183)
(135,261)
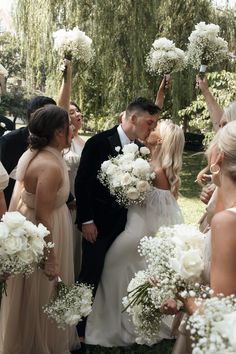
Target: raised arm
(65,89)
(160,96)
(213,107)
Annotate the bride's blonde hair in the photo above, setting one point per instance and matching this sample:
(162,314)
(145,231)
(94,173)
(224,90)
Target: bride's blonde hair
(171,153)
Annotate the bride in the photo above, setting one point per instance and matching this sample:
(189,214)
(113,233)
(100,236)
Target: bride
(108,325)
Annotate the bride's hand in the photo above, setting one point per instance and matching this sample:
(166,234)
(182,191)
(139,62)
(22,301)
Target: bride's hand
(169,307)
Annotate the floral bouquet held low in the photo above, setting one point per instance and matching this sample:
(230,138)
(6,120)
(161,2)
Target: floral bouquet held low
(22,245)
(128,176)
(164,58)
(175,263)
(213,326)
(205,47)
(70,304)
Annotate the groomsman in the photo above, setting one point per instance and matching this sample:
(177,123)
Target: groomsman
(99,216)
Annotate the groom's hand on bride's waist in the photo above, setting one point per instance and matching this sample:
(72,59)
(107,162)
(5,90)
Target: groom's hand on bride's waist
(89,231)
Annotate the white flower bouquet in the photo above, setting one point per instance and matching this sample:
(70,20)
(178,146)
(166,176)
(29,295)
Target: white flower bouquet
(175,263)
(22,244)
(70,304)
(128,176)
(205,47)
(213,326)
(165,58)
(73,44)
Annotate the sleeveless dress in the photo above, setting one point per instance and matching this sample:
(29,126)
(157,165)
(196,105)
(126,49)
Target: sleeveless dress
(107,325)
(4,178)
(24,328)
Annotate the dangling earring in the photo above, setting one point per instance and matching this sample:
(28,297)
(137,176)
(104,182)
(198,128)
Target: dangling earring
(215,169)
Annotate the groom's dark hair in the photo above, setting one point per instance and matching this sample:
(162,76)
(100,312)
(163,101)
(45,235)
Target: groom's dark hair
(36,103)
(143,105)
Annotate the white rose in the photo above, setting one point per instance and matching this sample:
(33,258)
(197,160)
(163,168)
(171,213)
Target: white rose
(18,232)
(133,148)
(126,158)
(105,165)
(126,179)
(132,193)
(117,148)
(111,169)
(142,186)
(12,245)
(71,319)
(144,150)
(30,229)
(13,219)
(227,327)
(4,231)
(42,231)
(141,167)
(37,245)
(188,264)
(26,257)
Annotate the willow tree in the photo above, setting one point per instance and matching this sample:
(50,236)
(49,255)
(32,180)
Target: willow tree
(122,32)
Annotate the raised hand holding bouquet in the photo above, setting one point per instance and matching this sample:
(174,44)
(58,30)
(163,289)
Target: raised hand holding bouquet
(129,175)
(22,244)
(73,44)
(164,58)
(212,327)
(205,47)
(70,304)
(175,263)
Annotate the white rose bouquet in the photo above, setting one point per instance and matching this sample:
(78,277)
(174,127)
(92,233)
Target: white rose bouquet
(70,304)
(213,326)
(175,263)
(165,58)
(73,44)
(205,47)
(22,244)
(128,176)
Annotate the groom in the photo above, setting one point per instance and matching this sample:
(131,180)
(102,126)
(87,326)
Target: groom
(99,216)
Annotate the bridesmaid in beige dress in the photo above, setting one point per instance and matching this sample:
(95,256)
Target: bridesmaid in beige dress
(40,194)
(4,178)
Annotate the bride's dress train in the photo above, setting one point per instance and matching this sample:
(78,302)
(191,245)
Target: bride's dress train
(108,325)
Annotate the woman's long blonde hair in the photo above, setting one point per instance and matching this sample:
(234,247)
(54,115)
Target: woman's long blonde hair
(170,155)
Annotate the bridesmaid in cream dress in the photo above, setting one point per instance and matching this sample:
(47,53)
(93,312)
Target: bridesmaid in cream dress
(40,194)
(4,178)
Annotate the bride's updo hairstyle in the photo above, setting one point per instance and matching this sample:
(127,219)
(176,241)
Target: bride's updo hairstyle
(44,123)
(225,141)
(170,154)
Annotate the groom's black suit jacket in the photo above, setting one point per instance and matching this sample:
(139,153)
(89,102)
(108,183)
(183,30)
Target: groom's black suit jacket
(12,146)
(94,201)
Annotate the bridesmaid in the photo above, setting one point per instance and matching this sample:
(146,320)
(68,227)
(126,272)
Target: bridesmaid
(40,194)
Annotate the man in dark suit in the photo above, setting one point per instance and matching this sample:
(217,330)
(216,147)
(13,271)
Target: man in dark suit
(99,216)
(15,143)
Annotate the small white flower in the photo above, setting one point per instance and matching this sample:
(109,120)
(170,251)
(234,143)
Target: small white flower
(117,148)
(144,150)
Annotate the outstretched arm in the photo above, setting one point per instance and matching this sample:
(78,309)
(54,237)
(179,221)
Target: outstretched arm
(65,90)
(160,96)
(213,107)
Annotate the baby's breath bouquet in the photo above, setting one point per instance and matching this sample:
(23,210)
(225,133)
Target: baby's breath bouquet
(70,304)
(73,44)
(175,263)
(128,176)
(213,326)
(165,58)
(205,47)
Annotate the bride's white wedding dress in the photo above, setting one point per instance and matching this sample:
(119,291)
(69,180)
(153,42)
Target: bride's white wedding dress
(107,325)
